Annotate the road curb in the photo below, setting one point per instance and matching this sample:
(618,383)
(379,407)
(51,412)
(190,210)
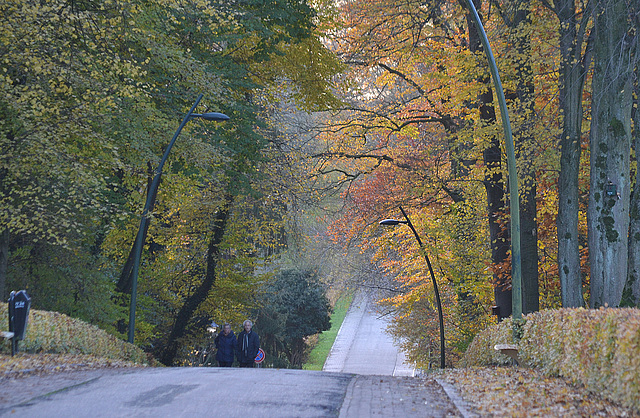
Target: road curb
(457,400)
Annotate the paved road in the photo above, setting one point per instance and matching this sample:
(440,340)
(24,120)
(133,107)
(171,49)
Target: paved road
(226,392)
(194,392)
(370,379)
(362,345)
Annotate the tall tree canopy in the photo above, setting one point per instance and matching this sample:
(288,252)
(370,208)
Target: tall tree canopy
(92,92)
(368,104)
(420,131)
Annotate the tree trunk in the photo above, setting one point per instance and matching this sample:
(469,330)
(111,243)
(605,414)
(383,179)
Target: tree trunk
(608,214)
(632,287)
(572,77)
(192,303)
(529,243)
(494,186)
(524,143)
(4,263)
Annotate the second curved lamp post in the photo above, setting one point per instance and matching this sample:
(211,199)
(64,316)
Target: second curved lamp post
(151,195)
(433,277)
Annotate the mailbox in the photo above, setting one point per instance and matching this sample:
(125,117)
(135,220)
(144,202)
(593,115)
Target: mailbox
(19,305)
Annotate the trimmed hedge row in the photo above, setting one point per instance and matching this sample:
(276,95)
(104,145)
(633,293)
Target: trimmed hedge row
(53,332)
(599,349)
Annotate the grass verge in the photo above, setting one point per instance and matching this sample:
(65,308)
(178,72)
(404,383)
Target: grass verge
(319,354)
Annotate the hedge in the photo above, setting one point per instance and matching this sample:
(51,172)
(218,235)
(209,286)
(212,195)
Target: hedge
(53,332)
(599,349)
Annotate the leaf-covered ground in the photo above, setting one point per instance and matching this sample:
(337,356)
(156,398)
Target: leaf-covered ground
(521,392)
(23,364)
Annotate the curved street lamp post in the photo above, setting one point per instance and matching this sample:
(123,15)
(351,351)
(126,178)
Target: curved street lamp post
(433,277)
(514,198)
(151,195)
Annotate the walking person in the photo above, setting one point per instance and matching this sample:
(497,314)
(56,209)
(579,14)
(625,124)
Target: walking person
(248,345)
(226,345)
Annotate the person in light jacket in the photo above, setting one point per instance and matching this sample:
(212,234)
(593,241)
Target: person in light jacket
(226,345)
(247,346)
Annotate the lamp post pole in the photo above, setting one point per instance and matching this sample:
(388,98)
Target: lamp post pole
(151,196)
(433,278)
(514,199)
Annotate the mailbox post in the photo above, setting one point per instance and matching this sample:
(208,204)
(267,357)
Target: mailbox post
(19,305)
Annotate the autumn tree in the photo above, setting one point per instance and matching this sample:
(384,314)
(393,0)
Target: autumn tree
(419,89)
(408,139)
(92,92)
(422,134)
(66,71)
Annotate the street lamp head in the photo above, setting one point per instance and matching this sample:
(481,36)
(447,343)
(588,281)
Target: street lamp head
(391,222)
(211,116)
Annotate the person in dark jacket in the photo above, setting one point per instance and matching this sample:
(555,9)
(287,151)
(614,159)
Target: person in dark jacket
(247,346)
(226,345)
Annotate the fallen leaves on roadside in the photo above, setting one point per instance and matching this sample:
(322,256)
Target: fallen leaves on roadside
(522,392)
(24,364)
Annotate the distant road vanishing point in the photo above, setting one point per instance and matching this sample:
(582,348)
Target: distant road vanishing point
(362,345)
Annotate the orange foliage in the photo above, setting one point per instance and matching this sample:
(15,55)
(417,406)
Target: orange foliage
(414,138)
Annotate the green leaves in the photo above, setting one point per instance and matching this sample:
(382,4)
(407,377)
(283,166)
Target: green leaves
(59,83)
(91,92)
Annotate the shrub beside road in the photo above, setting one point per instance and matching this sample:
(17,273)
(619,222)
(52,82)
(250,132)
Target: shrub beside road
(507,391)
(598,349)
(56,333)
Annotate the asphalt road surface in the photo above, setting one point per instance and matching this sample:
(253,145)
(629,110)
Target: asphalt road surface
(364,376)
